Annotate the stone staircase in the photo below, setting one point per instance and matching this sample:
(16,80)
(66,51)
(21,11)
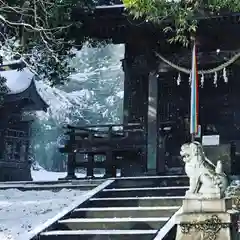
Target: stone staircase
(128,208)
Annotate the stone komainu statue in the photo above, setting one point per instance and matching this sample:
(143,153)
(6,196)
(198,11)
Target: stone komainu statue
(206,179)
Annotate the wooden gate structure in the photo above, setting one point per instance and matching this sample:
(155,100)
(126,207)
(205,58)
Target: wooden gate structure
(152,97)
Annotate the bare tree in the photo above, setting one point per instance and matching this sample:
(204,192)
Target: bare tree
(37,32)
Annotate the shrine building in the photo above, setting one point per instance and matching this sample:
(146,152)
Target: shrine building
(21,99)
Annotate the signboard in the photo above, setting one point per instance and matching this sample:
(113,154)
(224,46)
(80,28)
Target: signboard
(211,140)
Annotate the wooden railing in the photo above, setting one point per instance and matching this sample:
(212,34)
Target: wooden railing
(117,144)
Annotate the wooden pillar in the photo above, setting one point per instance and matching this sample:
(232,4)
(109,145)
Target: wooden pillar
(27,146)
(136,93)
(140,93)
(161,158)
(90,165)
(135,85)
(152,123)
(110,169)
(162,116)
(71,164)
(71,159)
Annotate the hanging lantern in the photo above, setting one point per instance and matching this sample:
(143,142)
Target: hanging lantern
(202,81)
(215,79)
(225,78)
(179,79)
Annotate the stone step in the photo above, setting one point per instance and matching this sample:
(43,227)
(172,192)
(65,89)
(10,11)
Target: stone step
(123,212)
(144,192)
(163,181)
(126,209)
(113,223)
(99,235)
(166,176)
(135,201)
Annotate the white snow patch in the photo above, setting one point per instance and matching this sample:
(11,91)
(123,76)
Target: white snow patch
(21,212)
(43,175)
(17,81)
(120,94)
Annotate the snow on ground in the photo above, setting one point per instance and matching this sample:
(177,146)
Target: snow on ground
(43,175)
(21,212)
(40,174)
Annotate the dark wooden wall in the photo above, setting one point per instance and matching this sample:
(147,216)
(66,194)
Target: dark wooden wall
(14,145)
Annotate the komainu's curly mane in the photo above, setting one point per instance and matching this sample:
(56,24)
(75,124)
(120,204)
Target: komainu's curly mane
(203,174)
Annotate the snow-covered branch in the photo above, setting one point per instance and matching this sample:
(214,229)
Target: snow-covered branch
(37,32)
(37,20)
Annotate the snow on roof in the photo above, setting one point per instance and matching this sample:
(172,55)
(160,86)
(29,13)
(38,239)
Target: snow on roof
(17,81)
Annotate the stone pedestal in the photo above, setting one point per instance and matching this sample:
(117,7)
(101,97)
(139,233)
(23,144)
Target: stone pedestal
(206,205)
(206,219)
